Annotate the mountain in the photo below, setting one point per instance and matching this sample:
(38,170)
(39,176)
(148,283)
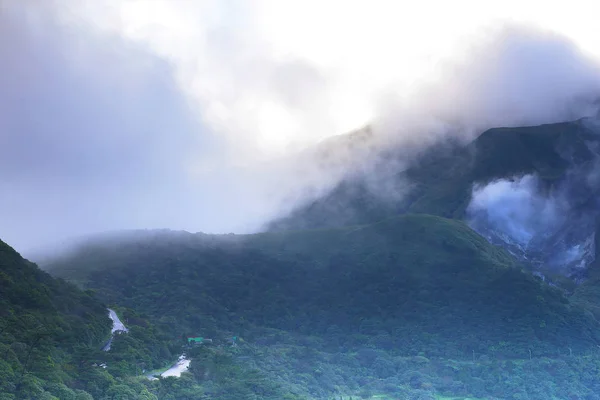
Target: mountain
(402,277)
(563,158)
(441,178)
(463,270)
(409,286)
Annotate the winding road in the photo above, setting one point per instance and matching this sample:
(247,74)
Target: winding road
(176,369)
(180,366)
(118,326)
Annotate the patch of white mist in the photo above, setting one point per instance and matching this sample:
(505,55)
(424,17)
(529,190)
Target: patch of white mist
(514,209)
(551,229)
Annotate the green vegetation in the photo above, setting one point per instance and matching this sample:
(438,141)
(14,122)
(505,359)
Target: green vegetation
(51,333)
(49,329)
(50,338)
(405,300)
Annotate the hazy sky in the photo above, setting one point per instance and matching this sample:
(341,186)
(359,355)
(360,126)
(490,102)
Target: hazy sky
(177,113)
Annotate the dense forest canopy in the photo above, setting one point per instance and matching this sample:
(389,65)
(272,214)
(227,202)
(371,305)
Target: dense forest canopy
(399,278)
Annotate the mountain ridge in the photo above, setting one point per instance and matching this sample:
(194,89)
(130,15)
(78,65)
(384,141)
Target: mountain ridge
(442,181)
(282,272)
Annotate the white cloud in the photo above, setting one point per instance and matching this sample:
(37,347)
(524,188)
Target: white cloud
(515,208)
(270,75)
(132,114)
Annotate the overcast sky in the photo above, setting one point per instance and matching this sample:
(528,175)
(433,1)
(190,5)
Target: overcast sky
(177,113)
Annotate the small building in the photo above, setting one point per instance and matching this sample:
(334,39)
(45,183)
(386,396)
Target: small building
(195,340)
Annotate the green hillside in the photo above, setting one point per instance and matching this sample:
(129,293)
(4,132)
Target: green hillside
(51,333)
(45,325)
(403,291)
(402,277)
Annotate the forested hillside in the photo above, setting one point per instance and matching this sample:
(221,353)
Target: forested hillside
(46,327)
(51,333)
(399,299)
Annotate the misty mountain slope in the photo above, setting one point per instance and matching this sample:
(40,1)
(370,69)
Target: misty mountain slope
(440,179)
(532,190)
(421,284)
(46,327)
(547,218)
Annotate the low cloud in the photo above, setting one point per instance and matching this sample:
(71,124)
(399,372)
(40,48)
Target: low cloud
(202,115)
(549,225)
(516,208)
